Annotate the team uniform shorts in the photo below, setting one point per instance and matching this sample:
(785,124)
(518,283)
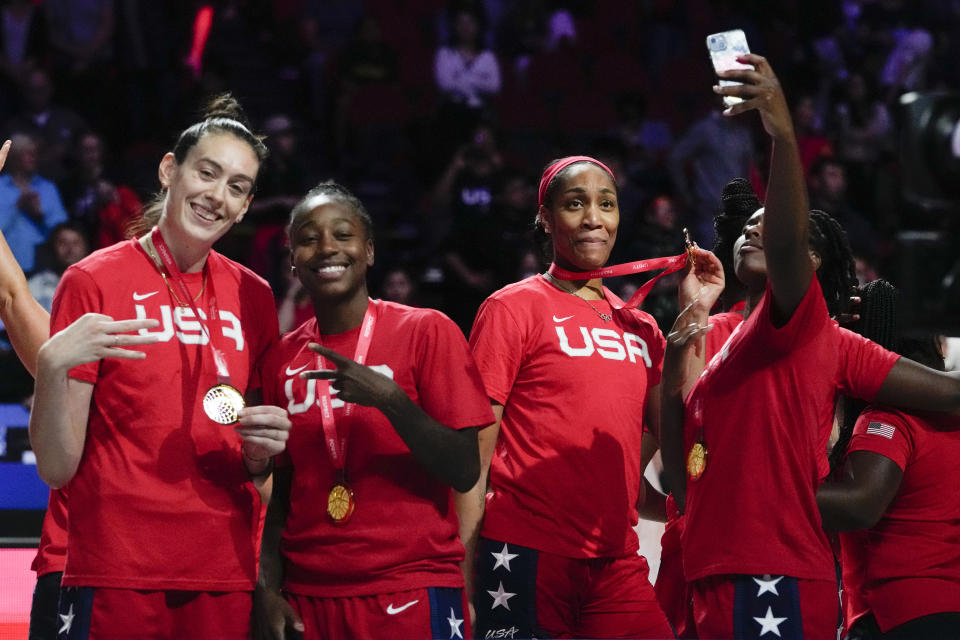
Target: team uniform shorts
(431,613)
(765,606)
(97,613)
(526,593)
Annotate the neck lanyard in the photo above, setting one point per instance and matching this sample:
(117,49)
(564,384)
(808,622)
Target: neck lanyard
(669,265)
(169,266)
(337,442)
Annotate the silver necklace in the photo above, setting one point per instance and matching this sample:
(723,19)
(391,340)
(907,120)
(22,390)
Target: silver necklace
(606,317)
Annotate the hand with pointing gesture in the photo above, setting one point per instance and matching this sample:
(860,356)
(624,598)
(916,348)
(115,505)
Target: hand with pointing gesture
(355,382)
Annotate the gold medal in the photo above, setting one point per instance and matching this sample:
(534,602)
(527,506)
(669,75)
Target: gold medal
(222,403)
(340,503)
(696,461)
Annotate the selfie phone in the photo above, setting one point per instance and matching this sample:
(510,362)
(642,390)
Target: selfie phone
(724,48)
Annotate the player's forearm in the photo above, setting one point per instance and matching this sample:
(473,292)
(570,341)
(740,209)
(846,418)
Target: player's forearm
(470,508)
(271,562)
(671,431)
(54,436)
(451,455)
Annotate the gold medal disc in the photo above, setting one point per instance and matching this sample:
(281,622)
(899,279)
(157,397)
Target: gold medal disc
(696,461)
(222,403)
(340,503)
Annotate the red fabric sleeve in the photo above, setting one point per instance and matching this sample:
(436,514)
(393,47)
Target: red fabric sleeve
(885,433)
(497,343)
(76,295)
(864,365)
(449,385)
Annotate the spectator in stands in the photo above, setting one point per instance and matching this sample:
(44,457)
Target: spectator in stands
(102,209)
(56,128)
(30,206)
(466,73)
(711,153)
(68,245)
(23,45)
(828,192)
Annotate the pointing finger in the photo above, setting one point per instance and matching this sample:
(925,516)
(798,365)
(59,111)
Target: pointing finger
(330,354)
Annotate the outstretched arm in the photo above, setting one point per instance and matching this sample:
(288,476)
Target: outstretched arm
(451,455)
(912,386)
(786,220)
(27,323)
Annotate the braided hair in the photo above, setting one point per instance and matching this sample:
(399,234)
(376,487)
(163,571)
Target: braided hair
(837,273)
(880,323)
(737,203)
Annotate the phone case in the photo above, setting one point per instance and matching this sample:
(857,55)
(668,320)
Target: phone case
(724,49)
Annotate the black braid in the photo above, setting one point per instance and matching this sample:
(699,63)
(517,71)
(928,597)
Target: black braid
(879,322)
(837,272)
(737,203)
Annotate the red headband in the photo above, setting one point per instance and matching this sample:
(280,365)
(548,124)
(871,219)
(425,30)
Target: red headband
(562,164)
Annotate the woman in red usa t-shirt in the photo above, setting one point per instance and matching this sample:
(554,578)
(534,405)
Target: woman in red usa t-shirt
(165,467)
(746,449)
(572,376)
(900,531)
(361,532)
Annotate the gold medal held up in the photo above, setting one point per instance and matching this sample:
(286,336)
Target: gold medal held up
(340,503)
(691,248)
(222,404)
(696,461)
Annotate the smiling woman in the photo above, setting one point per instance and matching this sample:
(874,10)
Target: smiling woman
(386,402)
(140,444)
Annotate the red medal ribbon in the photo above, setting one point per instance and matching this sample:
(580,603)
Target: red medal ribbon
(669,265)
(213,313)
(337,442)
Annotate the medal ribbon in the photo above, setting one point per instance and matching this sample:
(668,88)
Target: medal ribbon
(213,313)
(669,265)
(337,442)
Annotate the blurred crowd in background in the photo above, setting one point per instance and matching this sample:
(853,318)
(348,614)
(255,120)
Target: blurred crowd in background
(441,114)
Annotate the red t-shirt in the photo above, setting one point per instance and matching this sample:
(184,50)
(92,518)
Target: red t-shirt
(765,406)
(566,476)
(161,498)
(52,550)
(403,532)
(723,326)
(908,564)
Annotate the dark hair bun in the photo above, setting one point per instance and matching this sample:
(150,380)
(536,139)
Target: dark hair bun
(225,105)
(738,199)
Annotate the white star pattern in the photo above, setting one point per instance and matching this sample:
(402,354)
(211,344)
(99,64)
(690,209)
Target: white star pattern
(67,621)
(500,597)
(769,624)
(503,558)
(767,585)
(455,624)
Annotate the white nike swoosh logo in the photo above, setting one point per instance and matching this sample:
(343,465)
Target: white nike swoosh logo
(392,610)
(556,319)
(143,296)
(293,372)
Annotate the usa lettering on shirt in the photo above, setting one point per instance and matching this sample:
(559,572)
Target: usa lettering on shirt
(881,429)
(607,343)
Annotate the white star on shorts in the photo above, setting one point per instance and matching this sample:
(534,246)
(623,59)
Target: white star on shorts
(769,624)
(500,598)
(767,585)
(503,558)
(455,624)
(67,621)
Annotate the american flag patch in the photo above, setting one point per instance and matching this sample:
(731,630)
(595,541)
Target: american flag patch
(880,429)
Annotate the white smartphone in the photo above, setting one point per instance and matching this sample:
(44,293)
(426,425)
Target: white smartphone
(724,49)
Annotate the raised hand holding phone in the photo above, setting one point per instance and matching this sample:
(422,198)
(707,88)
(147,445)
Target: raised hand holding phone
(725,48)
